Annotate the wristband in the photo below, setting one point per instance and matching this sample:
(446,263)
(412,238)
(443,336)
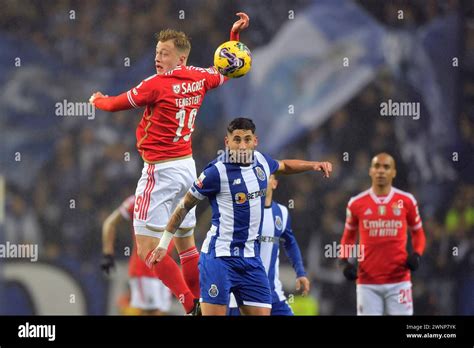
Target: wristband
(165,240)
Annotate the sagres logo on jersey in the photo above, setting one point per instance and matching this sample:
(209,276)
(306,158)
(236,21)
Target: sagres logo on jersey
(176,88)
(278,223)
(213,291)
(260,173)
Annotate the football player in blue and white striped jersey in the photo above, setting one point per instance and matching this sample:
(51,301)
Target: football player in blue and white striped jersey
(276,229)
(230,256)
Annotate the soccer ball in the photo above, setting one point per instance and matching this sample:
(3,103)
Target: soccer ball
(233,59)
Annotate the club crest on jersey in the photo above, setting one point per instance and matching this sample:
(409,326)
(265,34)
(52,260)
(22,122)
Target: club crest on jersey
(176,88)
(278,223)
(396,210)
(213,291)
(260,173)
(240,198)
(199,181)
(382,209)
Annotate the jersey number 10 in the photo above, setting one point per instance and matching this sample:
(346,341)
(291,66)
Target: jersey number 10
(181,116)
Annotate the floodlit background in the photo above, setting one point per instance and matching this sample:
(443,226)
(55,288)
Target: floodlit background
(321,70)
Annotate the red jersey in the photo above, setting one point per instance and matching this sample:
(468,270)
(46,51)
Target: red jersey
(172,101)
(381,223)
(136,267)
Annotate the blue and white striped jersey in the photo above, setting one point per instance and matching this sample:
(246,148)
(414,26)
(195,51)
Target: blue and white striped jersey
(276,230)
(237,197)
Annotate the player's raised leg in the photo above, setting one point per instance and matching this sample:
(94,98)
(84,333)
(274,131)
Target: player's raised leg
(189,257)
(184,236)
(167,271)
(154,197)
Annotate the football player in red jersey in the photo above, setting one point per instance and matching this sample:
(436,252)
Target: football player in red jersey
(381,216)
(148,293)
(171,98)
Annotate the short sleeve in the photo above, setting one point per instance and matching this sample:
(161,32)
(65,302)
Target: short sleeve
(207,184)
(213,78)
(145,93)
(272,164)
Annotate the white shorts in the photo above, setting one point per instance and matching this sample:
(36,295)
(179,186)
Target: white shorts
(380,299)
(149,294)
(159,190)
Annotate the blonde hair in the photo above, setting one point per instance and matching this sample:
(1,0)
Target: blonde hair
(180,39)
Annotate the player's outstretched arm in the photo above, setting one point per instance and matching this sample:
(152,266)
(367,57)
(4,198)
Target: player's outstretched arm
(109,228)
(112,104)
(295,166)
(186,204)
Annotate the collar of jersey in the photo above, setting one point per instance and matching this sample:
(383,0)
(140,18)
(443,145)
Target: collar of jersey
(379,200)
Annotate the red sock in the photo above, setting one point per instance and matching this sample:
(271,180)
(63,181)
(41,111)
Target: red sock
(169,273)
(189,263)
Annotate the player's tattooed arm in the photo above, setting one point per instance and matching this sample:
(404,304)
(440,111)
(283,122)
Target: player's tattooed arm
(295,166)
(183,208)
(186,204)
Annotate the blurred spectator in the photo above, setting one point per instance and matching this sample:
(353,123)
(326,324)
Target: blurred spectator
(21,223)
